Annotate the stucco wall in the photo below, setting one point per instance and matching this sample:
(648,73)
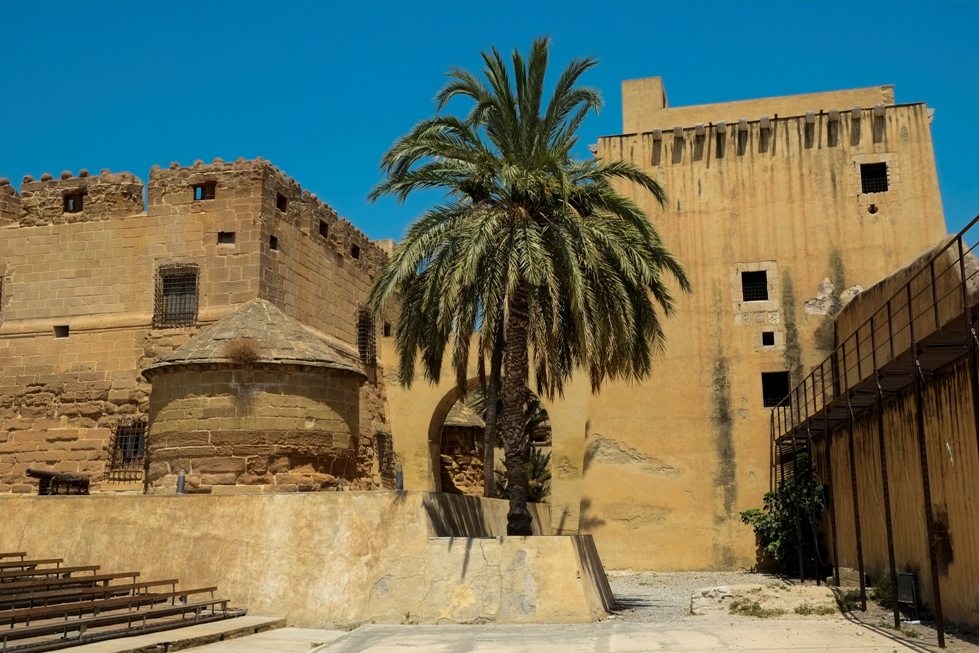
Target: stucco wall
(343,557)
(953,461)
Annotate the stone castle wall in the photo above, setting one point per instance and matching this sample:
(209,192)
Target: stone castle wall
(269,428)
(93,274)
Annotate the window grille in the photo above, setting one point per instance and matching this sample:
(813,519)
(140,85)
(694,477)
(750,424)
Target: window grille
(873,177)
(176,296)
(774,388)
(366,338)
(754,286)
(128,446)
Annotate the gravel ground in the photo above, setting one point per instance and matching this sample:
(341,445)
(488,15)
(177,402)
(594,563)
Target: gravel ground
(653,596)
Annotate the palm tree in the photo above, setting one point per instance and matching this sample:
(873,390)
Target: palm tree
(532,253)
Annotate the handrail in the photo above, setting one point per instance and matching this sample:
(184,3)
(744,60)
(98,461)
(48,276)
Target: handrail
(860,353)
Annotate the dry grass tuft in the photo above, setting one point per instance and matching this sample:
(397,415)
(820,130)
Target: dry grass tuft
(242,350)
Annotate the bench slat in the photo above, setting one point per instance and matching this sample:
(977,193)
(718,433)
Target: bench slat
(65,627)
(56,597)
(11,616)
(7,588)
(46,572)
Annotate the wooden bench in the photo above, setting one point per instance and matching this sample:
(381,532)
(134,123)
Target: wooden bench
(81,581)
(66,611)
(54,597)
(13,554)
(144,621)
(24,564)
(39,573)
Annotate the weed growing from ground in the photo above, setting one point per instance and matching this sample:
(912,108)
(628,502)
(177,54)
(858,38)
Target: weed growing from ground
(848,600)
(807,609)
(753,609)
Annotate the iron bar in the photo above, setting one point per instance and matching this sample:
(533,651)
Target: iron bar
(925,480)
(970,333)
(830,498)
(883,475)
(856,506)
(809,453)
(771,455)
(795,495)
(890,329)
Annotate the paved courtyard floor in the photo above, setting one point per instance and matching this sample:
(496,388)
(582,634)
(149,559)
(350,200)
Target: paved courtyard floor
(653,615)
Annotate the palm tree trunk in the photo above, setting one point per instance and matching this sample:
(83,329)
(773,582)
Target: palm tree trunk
(514,382)
(489,449)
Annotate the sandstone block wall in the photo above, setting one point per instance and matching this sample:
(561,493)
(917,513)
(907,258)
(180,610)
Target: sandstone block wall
(94,273)
(103,197)
(461,458)
(267,429)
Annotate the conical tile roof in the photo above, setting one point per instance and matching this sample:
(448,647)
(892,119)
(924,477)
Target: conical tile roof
(462,415)
(279,339)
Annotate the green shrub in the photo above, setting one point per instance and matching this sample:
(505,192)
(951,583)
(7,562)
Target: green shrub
(848,600)
(538,476)
(775,523)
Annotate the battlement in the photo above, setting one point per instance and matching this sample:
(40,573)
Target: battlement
(81,198)
(253,187)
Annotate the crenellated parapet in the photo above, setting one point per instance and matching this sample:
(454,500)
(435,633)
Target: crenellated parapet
(81,198)
(9,203)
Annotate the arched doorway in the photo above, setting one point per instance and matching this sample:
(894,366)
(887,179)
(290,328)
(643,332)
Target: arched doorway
(457,435)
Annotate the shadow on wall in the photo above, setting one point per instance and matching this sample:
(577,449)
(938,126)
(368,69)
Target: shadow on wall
(457,515)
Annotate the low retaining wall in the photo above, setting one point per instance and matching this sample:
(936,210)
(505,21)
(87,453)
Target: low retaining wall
(328,557)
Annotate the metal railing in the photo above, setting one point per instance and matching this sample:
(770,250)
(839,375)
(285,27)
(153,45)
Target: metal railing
(925,325)
(930,300)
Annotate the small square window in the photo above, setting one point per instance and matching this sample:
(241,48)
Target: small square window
(273,243)
(355,251)
(774,388)
(873,177)
(754,286)
(176,296)
(226,238)
(74,202)
(61,331)
(281,203)
(324,229)
(387,329)
(767,338)
(205,191)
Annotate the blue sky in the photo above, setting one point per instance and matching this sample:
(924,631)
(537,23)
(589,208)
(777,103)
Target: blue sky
(322,89)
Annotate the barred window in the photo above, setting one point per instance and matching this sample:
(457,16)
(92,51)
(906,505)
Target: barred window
(774,388)
(176,296)
(873,177)
(754,286)
(366,338)
(128,446)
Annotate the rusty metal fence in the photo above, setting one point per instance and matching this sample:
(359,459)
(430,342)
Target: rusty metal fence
(926,324)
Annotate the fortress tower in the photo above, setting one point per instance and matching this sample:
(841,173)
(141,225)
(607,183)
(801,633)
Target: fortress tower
(96,289)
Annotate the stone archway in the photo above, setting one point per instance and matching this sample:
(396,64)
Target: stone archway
(457,436)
